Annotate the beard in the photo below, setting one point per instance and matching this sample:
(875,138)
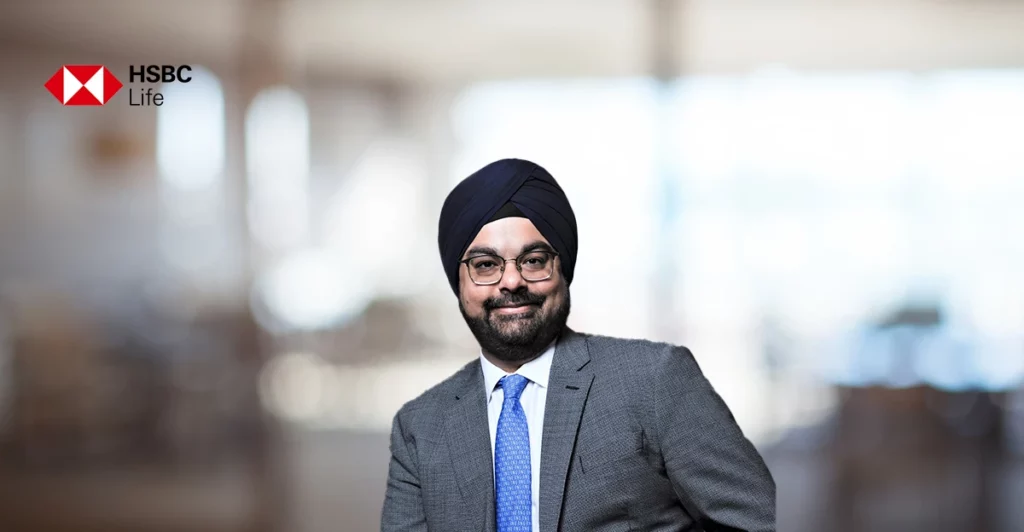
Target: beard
(518,338)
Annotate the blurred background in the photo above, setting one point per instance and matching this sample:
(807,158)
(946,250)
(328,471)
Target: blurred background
(210,310)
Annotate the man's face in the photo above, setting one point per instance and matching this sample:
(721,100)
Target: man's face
(514,319)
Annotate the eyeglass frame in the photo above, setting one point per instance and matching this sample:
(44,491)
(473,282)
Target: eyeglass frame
(504,261)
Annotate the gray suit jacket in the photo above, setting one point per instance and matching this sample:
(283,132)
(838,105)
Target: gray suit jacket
(635,438)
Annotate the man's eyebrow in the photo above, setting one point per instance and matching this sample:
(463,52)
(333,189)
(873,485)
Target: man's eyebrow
(481,250)
(537,245)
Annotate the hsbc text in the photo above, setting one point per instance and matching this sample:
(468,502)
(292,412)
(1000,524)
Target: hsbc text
(159,73)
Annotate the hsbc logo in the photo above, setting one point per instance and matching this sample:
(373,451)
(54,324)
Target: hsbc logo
(83,85)
(96,85)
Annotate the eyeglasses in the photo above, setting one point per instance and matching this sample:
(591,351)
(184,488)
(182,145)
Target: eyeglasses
(489,269)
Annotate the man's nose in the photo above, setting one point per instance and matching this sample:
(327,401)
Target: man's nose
(511,280)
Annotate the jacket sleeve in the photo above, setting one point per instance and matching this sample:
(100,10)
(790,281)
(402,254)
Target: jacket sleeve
(715,470)
(403,503)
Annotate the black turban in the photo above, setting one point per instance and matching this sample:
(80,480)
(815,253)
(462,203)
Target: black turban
(495,191)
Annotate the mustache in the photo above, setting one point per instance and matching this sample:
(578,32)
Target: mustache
(513,300)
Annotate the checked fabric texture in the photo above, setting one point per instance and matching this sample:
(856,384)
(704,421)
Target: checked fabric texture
(512,460)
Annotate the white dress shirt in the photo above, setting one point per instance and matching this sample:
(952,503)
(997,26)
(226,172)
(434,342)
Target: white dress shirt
(533,398)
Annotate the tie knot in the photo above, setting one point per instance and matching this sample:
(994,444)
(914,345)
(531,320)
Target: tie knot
(513,385)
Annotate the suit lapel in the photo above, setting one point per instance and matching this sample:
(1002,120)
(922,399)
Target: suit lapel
(469,440)
(568,388)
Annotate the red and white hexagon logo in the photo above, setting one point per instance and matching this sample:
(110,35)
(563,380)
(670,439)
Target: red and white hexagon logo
(83,85)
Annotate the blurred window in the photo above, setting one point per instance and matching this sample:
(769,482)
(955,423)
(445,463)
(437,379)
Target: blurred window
(277,159)
(190,132)
(391,172)
(195,223)
(830,199)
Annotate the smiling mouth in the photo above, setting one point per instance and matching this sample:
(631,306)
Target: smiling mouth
(513,309)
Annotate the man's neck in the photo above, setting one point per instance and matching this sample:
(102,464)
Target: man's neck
(510,367)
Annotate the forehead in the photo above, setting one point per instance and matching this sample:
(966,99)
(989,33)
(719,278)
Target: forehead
(508,235)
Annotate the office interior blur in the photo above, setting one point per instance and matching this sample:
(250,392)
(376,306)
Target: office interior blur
(211,309)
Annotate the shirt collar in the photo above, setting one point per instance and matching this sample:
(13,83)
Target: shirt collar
(537,370)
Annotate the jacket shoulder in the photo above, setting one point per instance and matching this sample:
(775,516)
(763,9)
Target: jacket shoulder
(439,397)
(640,355)
(602,345)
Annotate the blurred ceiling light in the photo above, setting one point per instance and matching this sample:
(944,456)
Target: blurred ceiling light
(190,132)
(277,158)
(311,289)
(391,175)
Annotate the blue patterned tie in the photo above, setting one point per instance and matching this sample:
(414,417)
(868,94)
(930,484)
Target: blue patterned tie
(512,460)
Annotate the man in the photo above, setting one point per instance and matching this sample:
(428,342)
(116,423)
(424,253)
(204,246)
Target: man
(550,429)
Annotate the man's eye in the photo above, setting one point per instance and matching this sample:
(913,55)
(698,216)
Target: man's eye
(536,259)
